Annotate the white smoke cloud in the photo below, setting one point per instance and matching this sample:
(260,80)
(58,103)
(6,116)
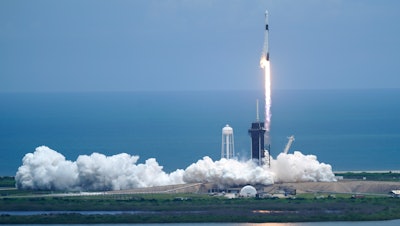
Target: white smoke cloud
(48,169)
(297,167)
(227,172)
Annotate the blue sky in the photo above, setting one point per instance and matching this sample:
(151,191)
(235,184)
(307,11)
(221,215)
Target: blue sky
(197,45)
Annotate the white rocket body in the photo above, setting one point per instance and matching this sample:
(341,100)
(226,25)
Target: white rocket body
(266,47)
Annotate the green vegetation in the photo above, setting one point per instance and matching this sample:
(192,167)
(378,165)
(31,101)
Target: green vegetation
(389,176)
(199,208)
(7,182)
(156,208)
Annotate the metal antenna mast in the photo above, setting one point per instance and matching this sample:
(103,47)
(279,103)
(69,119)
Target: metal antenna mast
(257,114)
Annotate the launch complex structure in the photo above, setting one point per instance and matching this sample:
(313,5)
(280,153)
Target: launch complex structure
(259,131)
(260,152)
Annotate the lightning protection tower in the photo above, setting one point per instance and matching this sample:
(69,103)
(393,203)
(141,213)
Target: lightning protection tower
(227,148)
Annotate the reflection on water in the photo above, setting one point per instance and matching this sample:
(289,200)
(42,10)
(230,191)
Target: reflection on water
(30,213)
(357,223)
(273,224)
(274,211)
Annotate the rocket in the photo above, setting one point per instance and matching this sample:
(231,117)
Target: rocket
(266,48)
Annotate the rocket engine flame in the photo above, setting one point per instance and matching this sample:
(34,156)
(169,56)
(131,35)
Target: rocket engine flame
(263,61)
(265,64)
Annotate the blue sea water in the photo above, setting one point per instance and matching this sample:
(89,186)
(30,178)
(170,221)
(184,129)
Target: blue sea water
(349,129)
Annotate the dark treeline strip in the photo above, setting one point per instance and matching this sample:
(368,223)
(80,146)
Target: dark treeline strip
(384,176)
(7,181)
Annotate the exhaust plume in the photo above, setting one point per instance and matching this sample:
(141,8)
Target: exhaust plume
(265,64)
(46,169)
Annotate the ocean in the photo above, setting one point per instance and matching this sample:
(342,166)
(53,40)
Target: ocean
(348,129)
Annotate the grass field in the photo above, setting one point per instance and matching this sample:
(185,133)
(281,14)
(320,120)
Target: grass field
(156,208)
(200,208)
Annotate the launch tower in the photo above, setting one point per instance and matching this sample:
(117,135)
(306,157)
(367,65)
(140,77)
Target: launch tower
(257,132)
(258,148)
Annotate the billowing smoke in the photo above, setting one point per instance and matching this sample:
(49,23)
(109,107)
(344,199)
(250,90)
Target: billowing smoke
(227,172)
(297,167)
(48,169)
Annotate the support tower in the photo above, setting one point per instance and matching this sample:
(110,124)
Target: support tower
(257,133)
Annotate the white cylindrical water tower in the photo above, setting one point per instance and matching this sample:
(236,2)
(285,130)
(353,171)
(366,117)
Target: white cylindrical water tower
(227,149)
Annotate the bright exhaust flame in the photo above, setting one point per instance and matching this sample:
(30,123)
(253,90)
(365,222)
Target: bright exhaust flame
(264,63)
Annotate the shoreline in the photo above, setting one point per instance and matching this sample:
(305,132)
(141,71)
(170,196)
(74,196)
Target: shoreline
(366,171)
